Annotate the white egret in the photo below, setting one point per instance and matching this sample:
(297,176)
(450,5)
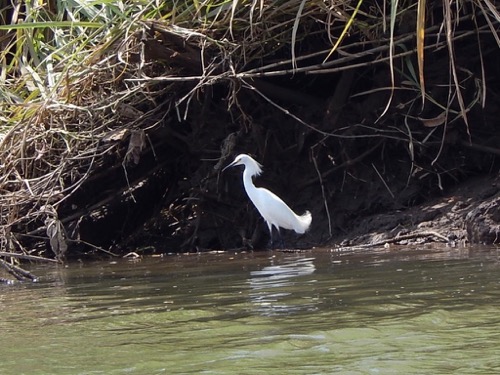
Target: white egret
(272,208)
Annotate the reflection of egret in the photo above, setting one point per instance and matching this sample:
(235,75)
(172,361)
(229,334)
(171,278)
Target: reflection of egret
(274,288)
(272,208)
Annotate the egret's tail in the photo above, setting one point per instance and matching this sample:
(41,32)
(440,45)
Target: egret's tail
(303,223)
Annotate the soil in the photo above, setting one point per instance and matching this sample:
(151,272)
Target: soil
(467,214)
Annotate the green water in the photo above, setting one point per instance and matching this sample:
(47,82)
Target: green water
(410,311)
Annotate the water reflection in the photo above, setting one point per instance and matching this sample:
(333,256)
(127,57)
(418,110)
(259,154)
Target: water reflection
(272,287)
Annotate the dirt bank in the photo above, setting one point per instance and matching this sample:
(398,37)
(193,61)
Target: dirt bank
(466,214)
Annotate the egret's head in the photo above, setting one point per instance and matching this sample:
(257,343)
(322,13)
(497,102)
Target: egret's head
(250,164)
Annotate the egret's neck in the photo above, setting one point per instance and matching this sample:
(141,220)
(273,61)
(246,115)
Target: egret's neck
(247,182)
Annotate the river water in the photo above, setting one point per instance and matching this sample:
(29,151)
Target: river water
(404,311)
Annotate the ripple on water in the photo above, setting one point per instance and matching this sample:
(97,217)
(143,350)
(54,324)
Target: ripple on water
(410,311)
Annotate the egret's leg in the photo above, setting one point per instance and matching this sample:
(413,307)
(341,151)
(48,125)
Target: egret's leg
(280,239)
(271,242)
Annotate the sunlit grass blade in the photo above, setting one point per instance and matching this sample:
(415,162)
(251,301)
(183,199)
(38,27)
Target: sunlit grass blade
(43,25)
(344,31)
(496,15)
(294,32)
(233,12)
(420,46)
(394,9)
(453,69)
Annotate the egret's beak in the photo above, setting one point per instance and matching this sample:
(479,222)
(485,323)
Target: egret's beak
(229,166)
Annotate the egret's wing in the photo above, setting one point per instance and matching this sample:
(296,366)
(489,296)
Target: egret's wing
(274,210)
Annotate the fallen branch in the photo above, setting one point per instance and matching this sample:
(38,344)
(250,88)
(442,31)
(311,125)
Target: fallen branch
(19,273)
(27,257)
